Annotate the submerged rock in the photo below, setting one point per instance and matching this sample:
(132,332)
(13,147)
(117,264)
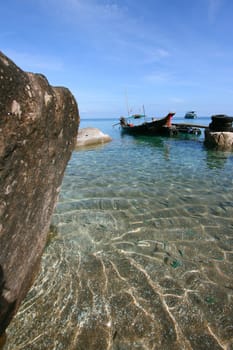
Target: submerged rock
(38,130)
(91,136)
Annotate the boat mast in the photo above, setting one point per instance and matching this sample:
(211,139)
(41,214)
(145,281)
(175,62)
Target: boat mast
(143,108)
(127,103)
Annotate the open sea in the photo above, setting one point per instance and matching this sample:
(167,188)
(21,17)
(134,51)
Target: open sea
(141,253)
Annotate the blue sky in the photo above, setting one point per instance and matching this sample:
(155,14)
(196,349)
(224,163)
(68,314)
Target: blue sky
(163,54)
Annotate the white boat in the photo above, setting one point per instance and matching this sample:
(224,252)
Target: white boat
(191,115)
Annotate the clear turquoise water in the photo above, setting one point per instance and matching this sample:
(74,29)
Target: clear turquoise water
(143,254)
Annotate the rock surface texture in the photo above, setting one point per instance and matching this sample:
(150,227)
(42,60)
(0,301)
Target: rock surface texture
(38,130)
(219,139)
(90,137)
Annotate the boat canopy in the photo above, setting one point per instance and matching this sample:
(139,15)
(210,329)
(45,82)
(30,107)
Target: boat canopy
(137,116)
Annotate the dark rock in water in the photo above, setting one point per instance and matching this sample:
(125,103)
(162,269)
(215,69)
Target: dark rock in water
(38,130)
(221,122)
(220,132)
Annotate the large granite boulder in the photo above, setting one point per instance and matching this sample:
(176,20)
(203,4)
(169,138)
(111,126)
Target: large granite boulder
(38,130)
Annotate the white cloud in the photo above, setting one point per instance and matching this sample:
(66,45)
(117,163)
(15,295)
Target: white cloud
(162,52)
(89,12)
(36,63)
(170,78)
(155,55)
(213,9)
(177,100)
(142,53)
(106,27)
(159,77)
(106,22)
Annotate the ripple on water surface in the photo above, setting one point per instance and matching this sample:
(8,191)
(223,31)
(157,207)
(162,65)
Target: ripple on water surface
(143,254)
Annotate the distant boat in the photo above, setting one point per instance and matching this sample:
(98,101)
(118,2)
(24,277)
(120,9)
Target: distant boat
(191,115)
(161,127)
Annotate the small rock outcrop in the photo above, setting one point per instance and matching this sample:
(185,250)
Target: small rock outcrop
(219,139)
(91,137)
(220,132)
(38,130)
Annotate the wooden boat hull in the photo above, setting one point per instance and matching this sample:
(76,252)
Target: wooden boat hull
(160,127)
(189,130)
(149,129)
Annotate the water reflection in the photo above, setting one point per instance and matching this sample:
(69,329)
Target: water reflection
(217,159)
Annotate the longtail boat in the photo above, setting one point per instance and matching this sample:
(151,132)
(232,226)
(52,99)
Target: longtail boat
(160,127)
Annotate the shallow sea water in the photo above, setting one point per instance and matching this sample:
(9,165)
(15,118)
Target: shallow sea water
(142,257)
